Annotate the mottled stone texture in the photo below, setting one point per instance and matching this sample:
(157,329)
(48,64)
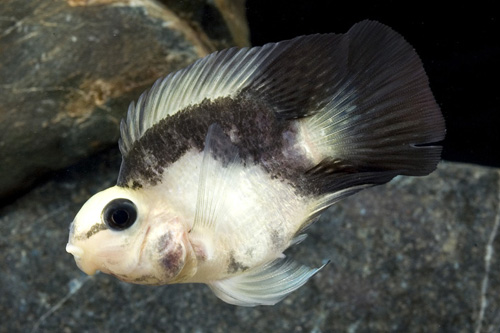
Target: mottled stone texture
(416,255)
(69,69)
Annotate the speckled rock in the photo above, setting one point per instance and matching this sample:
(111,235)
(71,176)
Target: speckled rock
(69,69)
(415,255)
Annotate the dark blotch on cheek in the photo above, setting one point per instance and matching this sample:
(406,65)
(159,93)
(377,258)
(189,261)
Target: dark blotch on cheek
(173,261)
(164,240)
(172,258)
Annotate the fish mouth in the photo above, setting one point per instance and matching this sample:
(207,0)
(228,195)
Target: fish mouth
(78,253)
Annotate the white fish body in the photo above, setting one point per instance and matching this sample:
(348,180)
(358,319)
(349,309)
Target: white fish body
(226,162)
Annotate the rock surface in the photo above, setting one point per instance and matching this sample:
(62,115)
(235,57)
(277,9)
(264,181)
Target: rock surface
(69,69)
(416,255)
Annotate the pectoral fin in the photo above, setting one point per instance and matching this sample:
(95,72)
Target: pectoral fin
(220,157)
(265,285)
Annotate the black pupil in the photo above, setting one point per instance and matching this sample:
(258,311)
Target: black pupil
(120,214)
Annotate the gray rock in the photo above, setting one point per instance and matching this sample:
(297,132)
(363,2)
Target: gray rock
(416,255)
(69,69)
(218,19)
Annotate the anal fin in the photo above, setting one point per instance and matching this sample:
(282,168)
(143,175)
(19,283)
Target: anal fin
(264,285)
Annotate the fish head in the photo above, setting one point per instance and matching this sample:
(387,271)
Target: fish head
(128,234)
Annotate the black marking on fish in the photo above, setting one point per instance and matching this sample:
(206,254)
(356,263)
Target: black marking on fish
(95,229)
(277,240)
(147,277)
(143,279)
(173,260)
(261,137)
(382,115)
(235,266)
(249,252)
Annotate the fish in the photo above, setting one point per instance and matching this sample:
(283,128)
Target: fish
(227,162)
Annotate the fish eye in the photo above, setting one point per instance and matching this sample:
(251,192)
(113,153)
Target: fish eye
(119,214)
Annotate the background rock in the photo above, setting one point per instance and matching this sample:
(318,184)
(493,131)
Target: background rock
(218,19)
(69,69)
(416,255)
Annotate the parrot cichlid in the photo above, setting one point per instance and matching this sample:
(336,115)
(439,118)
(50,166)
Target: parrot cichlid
(227,161)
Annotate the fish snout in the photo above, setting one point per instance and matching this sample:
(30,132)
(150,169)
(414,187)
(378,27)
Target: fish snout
(78,253)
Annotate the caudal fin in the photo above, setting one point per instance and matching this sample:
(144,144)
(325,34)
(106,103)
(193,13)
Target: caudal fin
(382,116)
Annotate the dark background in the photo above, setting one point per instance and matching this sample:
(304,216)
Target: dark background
(459,45)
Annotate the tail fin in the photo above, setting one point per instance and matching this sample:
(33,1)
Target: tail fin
(382,114)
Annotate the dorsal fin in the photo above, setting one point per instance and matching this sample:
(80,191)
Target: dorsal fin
(219,74)
(281,74)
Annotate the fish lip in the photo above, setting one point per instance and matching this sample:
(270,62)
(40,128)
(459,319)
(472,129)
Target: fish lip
(76,251)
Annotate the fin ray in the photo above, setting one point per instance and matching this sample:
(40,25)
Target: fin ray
(383,110)
(265,285)
(219,74)
(220,157)
(278,73)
